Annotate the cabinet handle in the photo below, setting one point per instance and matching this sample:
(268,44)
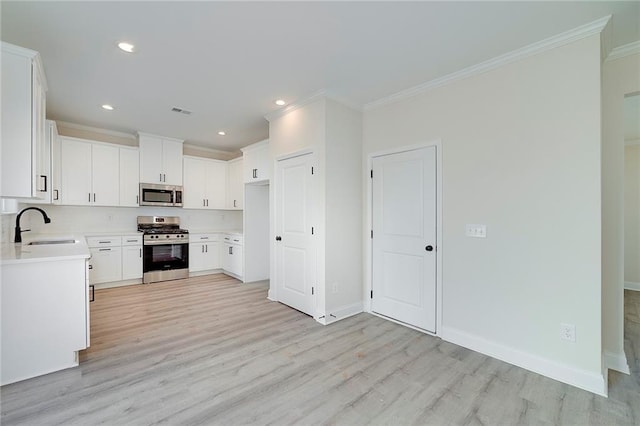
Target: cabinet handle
(160,177)
(164,177)
(94,197)
(202,249)
(255,173)
(137,199)
(104,249)
(89,197)
(234,203)
(92,290)
(140,253)
(230,250)
(57,194)
(206,248)
(131,241)
(203,204)
(90,266)
(45,183)
(207,202)
(104,242)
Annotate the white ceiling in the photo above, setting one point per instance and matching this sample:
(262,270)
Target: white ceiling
(228,61)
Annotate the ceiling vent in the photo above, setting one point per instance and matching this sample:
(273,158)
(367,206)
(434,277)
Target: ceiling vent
(181,111)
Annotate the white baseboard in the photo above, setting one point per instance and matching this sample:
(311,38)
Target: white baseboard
(341,313)
(270,296)
(592,382)
(616,362)
(117,284)
(630,285)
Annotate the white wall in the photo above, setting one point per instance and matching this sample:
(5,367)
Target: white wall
(343,237)
(256,233)
(632,216)
(80,219)
(619,78)
(521,154)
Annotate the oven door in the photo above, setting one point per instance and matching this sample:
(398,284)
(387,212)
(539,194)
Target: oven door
(165,257)
(157,195)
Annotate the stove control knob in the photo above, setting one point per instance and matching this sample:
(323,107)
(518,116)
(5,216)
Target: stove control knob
(167,236)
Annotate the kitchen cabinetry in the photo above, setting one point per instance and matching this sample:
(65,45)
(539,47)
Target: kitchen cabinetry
(160,159)
(132,257)
(50,167)
(257,166)
(106,259)
(205,183)
(23,144)
(235,184)
(89,173)
(232,255)
(44,317)
(115,258)
(204,252)
(129,177)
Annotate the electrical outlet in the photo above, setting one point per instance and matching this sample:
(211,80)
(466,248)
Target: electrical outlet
(476,230)
(334,287)
(568,332)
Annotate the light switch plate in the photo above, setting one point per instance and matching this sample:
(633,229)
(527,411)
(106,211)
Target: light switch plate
(476,230)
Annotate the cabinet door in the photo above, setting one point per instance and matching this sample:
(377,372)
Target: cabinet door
(41,151)
(16,125)
(106,265)
(212,254)
(235,185)
(45,175)
(197,257)
(129,177)
(75,172)
(150,159)
(193,192)
(105,165)
(249,164)
(263,166)
(226,257)
(236,260)
(216,184)
(172,162)
(131,262)
(55,163)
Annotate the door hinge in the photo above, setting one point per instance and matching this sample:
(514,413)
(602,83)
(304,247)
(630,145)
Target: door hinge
(371,173)
(372,294)
(311,169)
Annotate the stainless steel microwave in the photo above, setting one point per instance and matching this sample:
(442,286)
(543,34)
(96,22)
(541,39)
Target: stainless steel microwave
(160,195)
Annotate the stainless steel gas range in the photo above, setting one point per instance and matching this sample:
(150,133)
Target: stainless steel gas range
(165,248)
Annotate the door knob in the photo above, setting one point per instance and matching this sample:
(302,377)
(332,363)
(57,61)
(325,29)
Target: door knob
(429,248)
(278,238)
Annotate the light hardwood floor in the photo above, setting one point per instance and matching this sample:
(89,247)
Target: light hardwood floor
(210,350)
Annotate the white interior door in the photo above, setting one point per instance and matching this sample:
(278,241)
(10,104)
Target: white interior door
(295,257)
(404,237)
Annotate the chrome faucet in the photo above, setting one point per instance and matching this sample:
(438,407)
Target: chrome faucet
(18,238)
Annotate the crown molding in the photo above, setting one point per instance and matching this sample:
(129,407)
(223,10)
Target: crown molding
(553,42)
(95,130)
(624,50)
(210,150)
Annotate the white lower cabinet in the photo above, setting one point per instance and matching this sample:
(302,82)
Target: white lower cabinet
(115,258)
(204,252)
(232,255)
(131,258)
(43,317)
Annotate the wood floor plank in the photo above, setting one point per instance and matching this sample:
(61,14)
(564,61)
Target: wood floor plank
(210,350)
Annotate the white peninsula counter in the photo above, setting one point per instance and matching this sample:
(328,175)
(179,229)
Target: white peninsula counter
(45,307)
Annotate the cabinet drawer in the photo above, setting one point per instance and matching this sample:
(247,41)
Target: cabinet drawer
(234,239)
(104,241)
(132,240)
(195,238)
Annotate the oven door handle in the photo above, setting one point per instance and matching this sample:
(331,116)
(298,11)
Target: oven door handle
(165,243)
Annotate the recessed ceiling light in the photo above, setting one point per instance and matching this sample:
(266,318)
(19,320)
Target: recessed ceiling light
(127,47)
(221,133)
(280,102)
(107,107)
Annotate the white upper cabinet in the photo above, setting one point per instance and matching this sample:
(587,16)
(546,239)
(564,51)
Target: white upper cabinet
(205,183)
(129,177)
(160,159)
(51,155)
(24,140)
(257,165)
(89,173)
(235,184)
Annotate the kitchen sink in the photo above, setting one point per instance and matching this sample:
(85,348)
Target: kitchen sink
(44,242)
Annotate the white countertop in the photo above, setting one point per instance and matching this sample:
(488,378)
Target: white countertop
(13,253)
(211,231)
